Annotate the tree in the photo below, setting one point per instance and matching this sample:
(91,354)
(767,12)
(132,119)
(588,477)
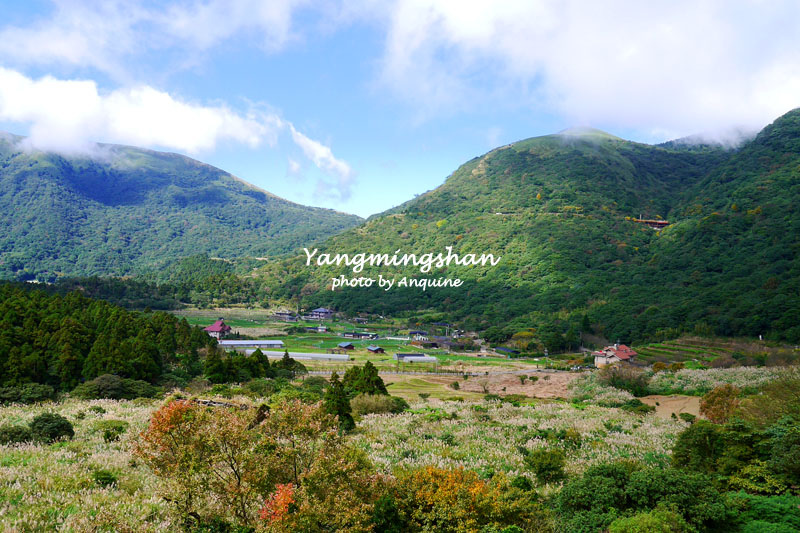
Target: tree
(719,403)
(368,381)
(336,403)
(214,367)
(698,447)
(546,464)
(290,470)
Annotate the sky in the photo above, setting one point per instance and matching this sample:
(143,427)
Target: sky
(360,105)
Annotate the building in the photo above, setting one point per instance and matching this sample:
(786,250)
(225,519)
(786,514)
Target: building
(285,316)
(507,351)
(218,330)
(414,358)
(418,335)
(424,343)
(613,354)
(321,313)
(307,356)
(318,329)
(359,335)
(252,344)
(346,346)
(375,349)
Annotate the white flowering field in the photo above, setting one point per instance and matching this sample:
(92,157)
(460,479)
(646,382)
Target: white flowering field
(485,436)
(47,487)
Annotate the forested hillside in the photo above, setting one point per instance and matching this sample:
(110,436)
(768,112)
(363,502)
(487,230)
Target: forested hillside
(559,210)
(127,210)
(61,341)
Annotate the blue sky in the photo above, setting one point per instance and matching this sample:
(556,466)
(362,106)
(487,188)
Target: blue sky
(360,105)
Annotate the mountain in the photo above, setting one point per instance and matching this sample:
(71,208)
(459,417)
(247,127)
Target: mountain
(560,211)
(124,210)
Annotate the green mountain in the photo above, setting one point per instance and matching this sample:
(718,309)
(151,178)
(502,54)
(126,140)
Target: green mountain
(559,209)
(126,210)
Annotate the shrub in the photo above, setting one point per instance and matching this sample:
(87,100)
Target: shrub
(111,429)
(455,500)
(656,521)
(115,388)
(27,393)
(698,447)
(262,388)
(625,377)
(638,406)
(455,386)
(97,409)
(546,464)
(719,404)
(49,427)
(365,404)
(786,456)
(15,434)
(104,478)
(757,478)
(687,417)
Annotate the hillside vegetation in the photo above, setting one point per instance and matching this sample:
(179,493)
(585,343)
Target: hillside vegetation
(127,210)
(559,210)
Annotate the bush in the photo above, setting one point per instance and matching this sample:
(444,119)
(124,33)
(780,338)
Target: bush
(365,404)
(687,417)
(698,447)
(15,434)
(115,388)
(104,478)
(719,404)
(50,427)
(546,464)
(625,377)
(638,406)
(262,388)
(455,386)
(111,429)
(27,393)
(656,521)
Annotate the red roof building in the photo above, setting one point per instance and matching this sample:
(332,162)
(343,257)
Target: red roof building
(613,354)
(218,329)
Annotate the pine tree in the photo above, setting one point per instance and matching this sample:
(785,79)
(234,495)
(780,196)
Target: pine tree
(214,368)
(369,381)
(336,403)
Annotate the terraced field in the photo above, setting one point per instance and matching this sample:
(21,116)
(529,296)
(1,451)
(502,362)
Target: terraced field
(697,351)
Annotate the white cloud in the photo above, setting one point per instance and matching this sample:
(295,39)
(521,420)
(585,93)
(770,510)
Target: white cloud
(69,115)
(107,35)
(295,169)
(323,158)
(668,66)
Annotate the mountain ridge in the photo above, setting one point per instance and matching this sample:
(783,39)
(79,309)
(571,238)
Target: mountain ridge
(129,208)
(561,211)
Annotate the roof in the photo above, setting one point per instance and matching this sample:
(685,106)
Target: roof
(417,332)
(372,348)
(322,310)
(506,350)
(254,343)
(620,351)
(345,344)
(218,326)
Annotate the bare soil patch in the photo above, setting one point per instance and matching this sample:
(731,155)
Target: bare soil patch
(667,405)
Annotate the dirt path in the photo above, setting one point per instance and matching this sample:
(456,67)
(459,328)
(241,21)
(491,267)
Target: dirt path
(666,405)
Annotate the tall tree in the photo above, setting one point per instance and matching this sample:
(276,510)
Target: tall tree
(336,403)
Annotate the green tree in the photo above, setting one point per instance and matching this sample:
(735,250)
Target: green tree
(337,403)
